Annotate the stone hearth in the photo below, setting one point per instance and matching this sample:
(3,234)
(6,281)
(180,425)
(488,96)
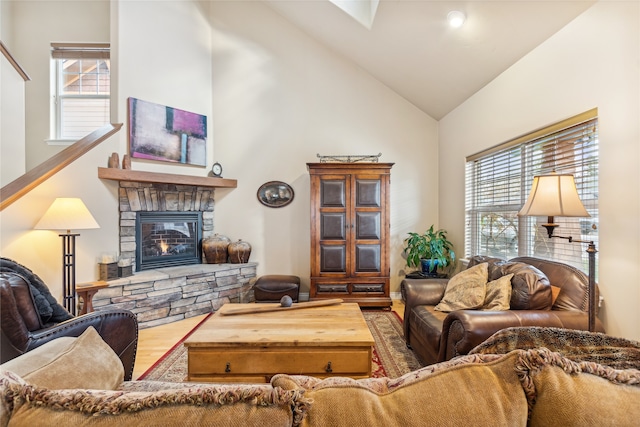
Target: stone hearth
(169,294)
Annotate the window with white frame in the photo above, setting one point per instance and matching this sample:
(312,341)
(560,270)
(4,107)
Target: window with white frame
(498,182)
(81,87)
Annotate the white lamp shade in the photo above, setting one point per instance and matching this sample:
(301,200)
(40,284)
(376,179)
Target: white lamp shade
(553,195)
(67,214)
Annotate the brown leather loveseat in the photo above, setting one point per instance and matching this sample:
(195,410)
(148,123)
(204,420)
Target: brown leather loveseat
(436,336)
(30,317)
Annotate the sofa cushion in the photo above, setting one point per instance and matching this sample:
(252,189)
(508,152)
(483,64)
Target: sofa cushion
(191,405)
(50,311)
(566,393)
(465,290)
(23,299)
(531,289)
(498,294)
(68,362)
(453,393)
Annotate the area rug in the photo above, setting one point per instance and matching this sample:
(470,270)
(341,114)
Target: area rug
(391,357)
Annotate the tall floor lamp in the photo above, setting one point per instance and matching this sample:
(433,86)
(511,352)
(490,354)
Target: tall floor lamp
(68,214)
(556,195)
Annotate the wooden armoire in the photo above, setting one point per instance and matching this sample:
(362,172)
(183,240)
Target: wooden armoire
(350,232)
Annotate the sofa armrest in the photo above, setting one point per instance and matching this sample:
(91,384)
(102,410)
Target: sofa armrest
(420,292)
(463,330)
(118,328)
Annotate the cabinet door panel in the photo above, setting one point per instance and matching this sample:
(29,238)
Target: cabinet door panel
(332,226)
(367,258)
(333,259)
(368,225)
(332,193)
(368,193)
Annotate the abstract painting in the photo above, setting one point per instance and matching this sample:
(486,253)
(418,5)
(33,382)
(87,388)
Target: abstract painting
(157,132)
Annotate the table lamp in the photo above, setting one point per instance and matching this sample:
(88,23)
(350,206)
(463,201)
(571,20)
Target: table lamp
(556,195)
(68,214)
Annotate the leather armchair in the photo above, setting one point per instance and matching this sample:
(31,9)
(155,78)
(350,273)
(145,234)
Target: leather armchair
(23,328)
(438,336)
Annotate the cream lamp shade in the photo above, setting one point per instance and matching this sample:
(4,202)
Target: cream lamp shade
(553,195)
(67,214)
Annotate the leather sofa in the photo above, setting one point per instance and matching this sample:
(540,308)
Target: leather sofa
(30,317)
(437,336)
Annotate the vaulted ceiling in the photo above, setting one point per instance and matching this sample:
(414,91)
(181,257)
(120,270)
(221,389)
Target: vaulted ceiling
(411,48)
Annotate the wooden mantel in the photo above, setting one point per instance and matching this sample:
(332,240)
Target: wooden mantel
(165,178)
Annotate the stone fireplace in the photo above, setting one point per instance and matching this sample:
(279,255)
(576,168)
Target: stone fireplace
(142,198)
(163,294)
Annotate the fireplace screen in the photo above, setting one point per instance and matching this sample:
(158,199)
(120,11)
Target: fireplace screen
(166,239)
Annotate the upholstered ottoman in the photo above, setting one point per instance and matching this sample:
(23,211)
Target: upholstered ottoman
(272,287)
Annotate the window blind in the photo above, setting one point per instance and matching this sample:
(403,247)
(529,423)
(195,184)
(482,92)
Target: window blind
(498,182)
(80,50)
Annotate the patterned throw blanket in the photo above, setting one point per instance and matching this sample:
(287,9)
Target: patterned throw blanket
(618,353)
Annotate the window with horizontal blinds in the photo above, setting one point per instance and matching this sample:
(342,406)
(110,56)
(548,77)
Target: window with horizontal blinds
(81,94)
(498,183)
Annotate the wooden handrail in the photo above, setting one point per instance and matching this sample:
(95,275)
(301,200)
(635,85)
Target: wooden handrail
(13,62)
(36,176)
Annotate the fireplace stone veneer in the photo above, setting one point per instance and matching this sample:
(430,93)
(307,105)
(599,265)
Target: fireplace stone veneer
(154,197)
(169,294)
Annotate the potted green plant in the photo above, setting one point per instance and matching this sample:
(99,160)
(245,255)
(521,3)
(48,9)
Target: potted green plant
(429,251)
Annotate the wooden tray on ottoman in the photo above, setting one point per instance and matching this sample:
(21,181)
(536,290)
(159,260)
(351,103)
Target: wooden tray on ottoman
(319,341)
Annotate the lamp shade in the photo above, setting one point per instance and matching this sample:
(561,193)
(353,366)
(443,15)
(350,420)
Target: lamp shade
(553,195)
(67,214)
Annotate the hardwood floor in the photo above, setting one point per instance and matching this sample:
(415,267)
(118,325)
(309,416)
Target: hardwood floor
(153,343)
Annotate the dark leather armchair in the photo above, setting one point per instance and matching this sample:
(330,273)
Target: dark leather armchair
(26,326)
(437,336)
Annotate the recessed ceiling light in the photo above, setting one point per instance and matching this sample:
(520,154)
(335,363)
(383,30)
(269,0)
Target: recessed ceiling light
(456,18)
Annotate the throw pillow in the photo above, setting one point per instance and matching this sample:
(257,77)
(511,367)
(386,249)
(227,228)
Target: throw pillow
(498,294)
(465,290)
(68,362)
(531,289)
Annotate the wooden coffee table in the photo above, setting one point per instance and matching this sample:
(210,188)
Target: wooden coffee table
(319,341)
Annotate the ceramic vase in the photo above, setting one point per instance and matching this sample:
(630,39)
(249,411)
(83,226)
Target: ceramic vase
(215,249)
(239,252)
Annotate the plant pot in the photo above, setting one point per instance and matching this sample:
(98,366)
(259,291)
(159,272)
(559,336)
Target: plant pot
(429,267)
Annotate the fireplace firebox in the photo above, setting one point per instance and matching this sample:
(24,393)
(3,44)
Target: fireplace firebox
(167,239)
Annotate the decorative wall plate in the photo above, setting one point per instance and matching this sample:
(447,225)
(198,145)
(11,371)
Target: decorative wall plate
(275,194)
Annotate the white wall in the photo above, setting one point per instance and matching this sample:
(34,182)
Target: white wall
(274,98)
(33,32)
(592,62)
(12,123)
(12,106)
(279,99)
